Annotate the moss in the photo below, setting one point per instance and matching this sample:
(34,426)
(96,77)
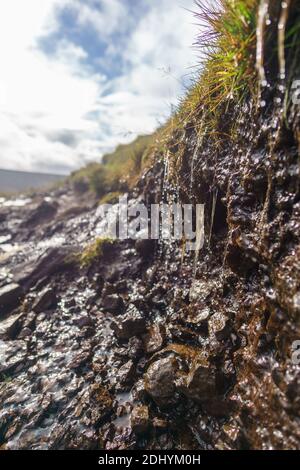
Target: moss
(110,198)
(95,251)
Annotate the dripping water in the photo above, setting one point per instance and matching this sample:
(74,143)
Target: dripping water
(285,7)
(262,22)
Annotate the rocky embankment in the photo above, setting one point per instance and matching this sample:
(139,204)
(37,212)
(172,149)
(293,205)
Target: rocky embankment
(143,348)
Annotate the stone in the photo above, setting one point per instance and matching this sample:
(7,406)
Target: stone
(200,291)
(84,321)
(198,316)
(126,373)
(10,296)
(145,248)
(139,391)
(154,339)
(113,303)
(79,360)
(160,380)
(45,301)
(219,326)
(135,348)
(12,354)
(54,260)
(200,383)
(24,333)
(132,324)
(10,327)
(44,212)
(159,424)
(139,419)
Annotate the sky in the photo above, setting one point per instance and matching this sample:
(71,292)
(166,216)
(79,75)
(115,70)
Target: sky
(78,77)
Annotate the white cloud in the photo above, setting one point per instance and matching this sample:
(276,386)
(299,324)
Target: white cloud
(47,103)
(105,21)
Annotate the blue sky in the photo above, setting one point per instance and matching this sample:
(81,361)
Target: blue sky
(79,77)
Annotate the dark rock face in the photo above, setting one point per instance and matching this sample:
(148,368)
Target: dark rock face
(52,261)
(113,303)
(145,248)
(10,296)
(45,300)
(44,212)
(154,339)
(131,324)
(116,356)
(200,384)
(160,381)
(10,326)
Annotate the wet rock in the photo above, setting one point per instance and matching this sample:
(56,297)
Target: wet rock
(200,291)
(24,333)
(3,215)
(132,324)
(233,433)
(198,315)
(53,261)
(139,419)
(159,424)
(154,339)
(126,373)
(160,381)
(80,360)
(145,248)
(44,212)
(157,297)
(218,407)
(183,334)
(135,348)
(219,325)
(113,303)
(69,303)
(139,391)
(200,383)
(12,353)
(45,301)
(84,321)
(10,296)
(103,398)
(10,327)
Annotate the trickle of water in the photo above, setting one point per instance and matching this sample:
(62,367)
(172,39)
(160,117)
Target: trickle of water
(194,160)
(263,21)
(213,211)
(285,8)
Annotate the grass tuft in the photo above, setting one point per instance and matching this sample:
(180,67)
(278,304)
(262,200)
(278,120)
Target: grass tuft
(95,251)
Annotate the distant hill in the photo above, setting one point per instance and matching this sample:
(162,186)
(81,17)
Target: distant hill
(14,181)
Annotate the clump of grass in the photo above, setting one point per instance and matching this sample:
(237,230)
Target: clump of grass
(95,251)
(228,43)
(110,198)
